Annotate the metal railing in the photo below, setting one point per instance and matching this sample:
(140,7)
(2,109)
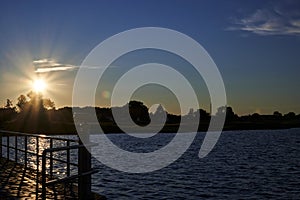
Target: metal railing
(84,171)
(41,149)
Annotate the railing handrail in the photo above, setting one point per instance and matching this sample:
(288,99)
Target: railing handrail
(38,135)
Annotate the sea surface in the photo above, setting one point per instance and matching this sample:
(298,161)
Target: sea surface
(261,164)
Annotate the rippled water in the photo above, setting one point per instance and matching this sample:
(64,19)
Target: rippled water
(243,165)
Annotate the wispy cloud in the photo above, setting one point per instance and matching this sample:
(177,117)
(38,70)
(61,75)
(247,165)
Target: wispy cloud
(276,20)
(48,65)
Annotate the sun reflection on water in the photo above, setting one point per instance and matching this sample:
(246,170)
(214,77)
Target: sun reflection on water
(35,146)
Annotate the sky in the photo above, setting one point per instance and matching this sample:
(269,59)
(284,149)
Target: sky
(255,45)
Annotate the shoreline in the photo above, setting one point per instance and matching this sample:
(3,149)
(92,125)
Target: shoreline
(69,129)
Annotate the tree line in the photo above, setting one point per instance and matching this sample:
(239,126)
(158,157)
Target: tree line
(34,113)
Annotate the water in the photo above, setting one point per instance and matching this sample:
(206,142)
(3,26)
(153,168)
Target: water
(243,165)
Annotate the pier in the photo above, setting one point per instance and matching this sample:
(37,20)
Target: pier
(43,167)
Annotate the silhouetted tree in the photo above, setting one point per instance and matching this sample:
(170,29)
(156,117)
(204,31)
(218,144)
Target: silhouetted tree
(9,104)
(230,115)
(256,116)
(277,114)
(33,112)
(204,115)
(290,115)
(34,101)
(139,112)
(221,111)
(22,102)
(48,104)
(8,112)
(191,114)
(159,116)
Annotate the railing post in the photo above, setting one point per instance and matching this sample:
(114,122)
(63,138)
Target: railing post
(25,145)
(37,166)
(7,146)
(84,165)
(1,146)
(44,175)
(51,159)
(16,149)
(68,159)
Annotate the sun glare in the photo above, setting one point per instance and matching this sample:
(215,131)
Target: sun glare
(39,85)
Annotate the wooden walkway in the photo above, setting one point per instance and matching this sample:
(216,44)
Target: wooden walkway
(16,182)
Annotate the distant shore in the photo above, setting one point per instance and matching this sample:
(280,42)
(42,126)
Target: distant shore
(70,129)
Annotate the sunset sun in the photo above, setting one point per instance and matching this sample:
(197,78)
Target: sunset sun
(39,85)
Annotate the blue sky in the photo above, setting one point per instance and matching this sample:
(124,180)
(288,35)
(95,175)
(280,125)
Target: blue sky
(255,44)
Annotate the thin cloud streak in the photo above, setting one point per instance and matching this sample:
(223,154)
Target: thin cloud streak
(275,21)
(47,65)
(54,69)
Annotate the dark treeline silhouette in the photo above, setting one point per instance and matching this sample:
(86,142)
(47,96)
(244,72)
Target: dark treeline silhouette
(30,113)
(35,114)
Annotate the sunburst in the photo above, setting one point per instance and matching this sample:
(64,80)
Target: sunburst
(39,85)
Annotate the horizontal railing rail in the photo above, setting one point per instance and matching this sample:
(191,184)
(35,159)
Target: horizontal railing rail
(37,135)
